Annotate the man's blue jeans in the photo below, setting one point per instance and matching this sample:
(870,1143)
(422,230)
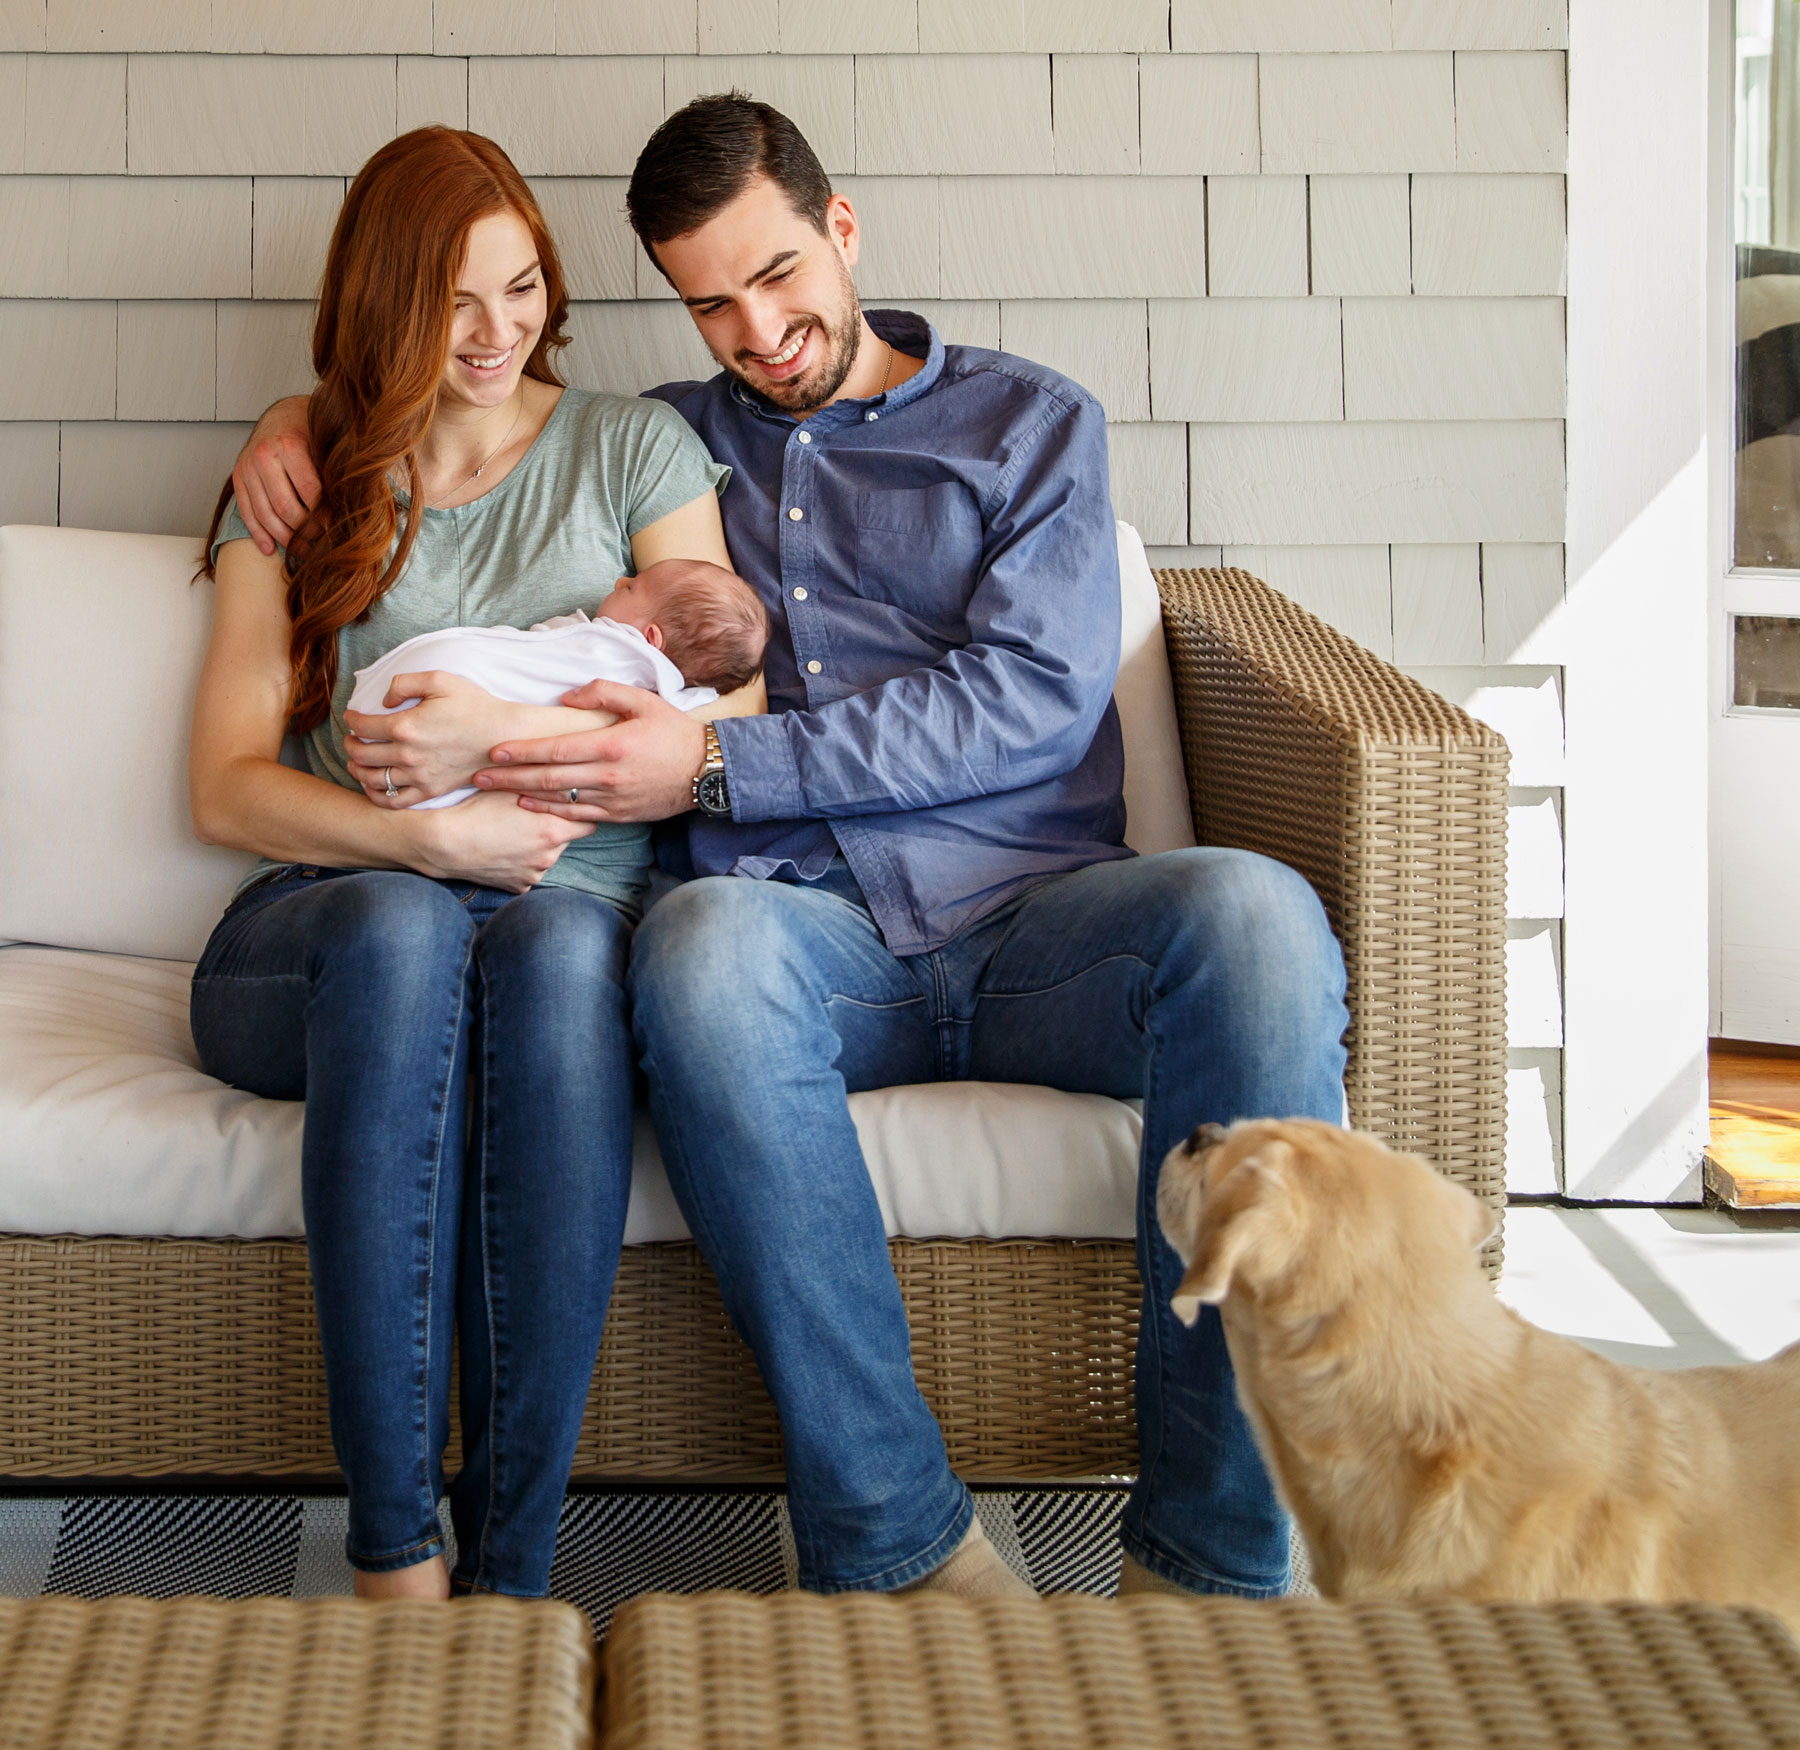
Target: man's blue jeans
(1206,981)
(466,1065)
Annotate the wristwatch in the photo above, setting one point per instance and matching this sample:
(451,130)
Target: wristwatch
(712,794)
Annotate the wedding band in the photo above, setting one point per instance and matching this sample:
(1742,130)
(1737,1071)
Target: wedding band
(574,795)
(388,773)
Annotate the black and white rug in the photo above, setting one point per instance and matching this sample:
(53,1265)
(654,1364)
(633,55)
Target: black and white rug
(611,1546)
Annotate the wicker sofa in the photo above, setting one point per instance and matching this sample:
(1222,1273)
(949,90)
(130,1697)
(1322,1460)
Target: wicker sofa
(130,1352)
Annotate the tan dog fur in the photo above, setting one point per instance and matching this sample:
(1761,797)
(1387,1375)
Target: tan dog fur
(1426,1438)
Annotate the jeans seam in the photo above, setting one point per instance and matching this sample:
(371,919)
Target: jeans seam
(1042,990)
(406,1549)
(445,1101)
(487,1296)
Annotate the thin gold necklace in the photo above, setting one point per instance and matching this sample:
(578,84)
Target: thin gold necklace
(890,368)
(482,469)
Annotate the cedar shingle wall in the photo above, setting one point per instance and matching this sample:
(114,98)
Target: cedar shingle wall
(1309,254)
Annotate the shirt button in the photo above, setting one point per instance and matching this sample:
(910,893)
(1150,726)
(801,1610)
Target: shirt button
(870,418)
(815,668)
(806,437)
(799,595)
(795,514)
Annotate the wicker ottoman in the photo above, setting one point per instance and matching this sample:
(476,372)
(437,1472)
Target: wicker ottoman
(807,1673)
(317,1674)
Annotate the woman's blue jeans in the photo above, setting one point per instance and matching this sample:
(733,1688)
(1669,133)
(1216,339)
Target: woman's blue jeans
(465,1060)
(1207,982)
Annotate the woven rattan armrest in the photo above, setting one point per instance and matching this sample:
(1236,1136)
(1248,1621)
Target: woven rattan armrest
(1304,746)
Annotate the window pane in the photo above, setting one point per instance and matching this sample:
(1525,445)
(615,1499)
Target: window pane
(1765,662)
(1768,283)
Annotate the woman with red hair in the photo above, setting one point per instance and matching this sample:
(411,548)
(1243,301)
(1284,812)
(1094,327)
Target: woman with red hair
(444,988)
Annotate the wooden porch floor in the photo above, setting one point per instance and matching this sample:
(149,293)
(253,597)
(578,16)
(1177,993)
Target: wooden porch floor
(1753,1159)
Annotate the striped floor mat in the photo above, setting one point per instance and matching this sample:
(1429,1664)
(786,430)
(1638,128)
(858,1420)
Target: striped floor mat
(611,1546)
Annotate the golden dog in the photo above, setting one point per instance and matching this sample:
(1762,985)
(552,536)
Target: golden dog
(1428,1440)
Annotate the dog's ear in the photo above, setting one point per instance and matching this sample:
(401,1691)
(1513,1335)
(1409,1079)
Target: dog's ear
(1483,1223)
(1237,1214)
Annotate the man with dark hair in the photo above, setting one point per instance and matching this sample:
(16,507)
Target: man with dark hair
(912,868)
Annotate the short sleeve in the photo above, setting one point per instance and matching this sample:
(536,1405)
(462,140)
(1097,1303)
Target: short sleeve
(231,528)
(665,465)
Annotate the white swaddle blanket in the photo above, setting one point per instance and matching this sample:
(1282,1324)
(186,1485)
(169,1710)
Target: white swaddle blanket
(530,667)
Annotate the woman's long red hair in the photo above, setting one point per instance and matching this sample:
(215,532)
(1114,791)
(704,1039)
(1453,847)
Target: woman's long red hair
(386,311)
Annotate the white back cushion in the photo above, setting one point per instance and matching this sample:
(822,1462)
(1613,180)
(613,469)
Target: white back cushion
(101,639)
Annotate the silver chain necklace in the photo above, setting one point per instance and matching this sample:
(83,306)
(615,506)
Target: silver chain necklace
(482,468)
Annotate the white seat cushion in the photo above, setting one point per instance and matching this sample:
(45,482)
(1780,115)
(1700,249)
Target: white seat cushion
(109,1126)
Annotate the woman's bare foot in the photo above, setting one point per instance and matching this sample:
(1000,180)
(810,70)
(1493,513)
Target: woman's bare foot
(426,1579)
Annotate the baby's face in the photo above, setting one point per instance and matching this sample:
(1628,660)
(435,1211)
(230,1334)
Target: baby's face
(635,601)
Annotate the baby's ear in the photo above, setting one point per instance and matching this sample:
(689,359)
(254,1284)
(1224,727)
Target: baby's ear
(653,634)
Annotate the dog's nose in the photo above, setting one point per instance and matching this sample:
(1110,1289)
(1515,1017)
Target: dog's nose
(1205,1136)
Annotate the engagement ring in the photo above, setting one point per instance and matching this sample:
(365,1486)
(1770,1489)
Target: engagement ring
(388,773)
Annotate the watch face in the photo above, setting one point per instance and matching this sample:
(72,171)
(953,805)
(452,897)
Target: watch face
(712,794)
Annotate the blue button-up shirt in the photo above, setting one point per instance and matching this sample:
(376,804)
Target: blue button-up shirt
(941,569)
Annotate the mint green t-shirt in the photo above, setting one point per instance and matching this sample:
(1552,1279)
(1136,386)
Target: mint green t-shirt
(553,536)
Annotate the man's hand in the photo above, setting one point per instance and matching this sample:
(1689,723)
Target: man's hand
(274,478)
(642,768)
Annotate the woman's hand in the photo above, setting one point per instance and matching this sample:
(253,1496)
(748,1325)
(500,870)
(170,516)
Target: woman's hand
(493,842)
(432,748)
(440,743)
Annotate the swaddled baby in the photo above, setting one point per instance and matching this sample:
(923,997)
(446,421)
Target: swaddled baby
(682,628)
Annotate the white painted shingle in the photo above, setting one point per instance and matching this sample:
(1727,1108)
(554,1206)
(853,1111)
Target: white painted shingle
(1149,478)
(1073,237)
(168,360)
(1351,113)
(816,92)
(960,321)
(953,115)
(1361,235)
(1094,104)
(320,27)
(162,237)
(567,118)
(145,479)
(261,115)
(847,27)
(1199,115)
(627,27)
(28,467)
(1246,359)
(586,216)
(1453,358)
(1185,558)
(75,115)
(1072,27)
(292,222)
(1525,617)
(1437,603)
(1534,1123)
(265,352)
(1102,343)
(739,27)
(1512,112)
(478,27)
(1523,704)
(1280,26)
(1499,236)
(165,27)
(1533,985)
(61,361)
(900,237)
(1416,482)
(431,91)
(1534,855)
(12,113)
(34,220)
(1481,24)
(1256,236)
(1345,586)
(627,348)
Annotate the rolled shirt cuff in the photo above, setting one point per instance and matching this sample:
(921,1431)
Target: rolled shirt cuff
(761,772)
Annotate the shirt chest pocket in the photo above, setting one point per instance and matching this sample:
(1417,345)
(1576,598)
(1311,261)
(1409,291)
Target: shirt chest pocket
(919,548)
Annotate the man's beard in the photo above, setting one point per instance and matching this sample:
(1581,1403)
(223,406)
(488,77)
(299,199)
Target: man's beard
(810,392)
